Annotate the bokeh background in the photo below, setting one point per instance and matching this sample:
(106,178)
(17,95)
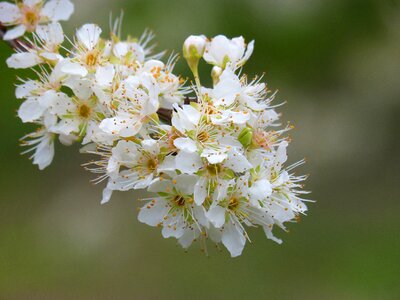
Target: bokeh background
(335,62)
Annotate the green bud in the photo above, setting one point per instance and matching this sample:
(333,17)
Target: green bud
(245,137)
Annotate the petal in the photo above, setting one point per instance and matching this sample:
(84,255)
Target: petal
(44,153)
(200,191)
(260,190)
(30,110)
(107,193)
(214,156)
(153,214)
(167,165)
(185,144)
(216,215)
(233,239)
(188,163)
(268,233)
(74,69)
(188,237)
(237,162)
(105,75)
(26,89)
(9,13)
(58,10)
(89,35)
(81,87)
(185,183)
(51,34)
(23,60)
(14,33)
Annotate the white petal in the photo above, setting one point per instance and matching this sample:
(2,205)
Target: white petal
(89,35)
(185,183)
(26,89)
(9,13)
(74,69)
(233,239)
(23,60)
(214,156)
(268,233)
(81,87)
(175,231)
(249,52)
(58,10)
(122,126)
(153,215)
(151,146)
(188,163)
(31,3)
(30,110)
(188,237)
(44,153)
(107,193)
(167,165)
(185,144)
(105,75)
(200,191)
(14,33)
(49,98)
(216,215)
(260,189)
(237,162)
(51,34)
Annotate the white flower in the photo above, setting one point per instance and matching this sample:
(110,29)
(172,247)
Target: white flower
(170,86)
(232,211)
(48,40)
(133,166)
(41,143)
(175,210)
(199,135)
(89,51)
(28,14)
(137,100)
(221,50)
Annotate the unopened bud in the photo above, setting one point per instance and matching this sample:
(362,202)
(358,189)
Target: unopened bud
(194,46)
(215,74)
(245,137)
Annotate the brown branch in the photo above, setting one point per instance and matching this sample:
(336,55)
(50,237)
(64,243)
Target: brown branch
(17,44)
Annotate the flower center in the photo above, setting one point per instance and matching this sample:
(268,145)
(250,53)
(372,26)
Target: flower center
(179,200)
(151,165)
(263,139)
(233,203)
(92,58)
(84,111)
(203,137)
(214,170)
(31,19)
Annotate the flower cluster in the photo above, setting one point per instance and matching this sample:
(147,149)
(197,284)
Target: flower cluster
(216,169)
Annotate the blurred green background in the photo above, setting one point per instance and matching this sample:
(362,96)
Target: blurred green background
(335,62)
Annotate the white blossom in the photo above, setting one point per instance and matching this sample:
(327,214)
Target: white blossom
(216,169)
(28,14)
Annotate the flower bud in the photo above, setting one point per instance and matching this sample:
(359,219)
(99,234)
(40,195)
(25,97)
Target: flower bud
(215,74)
(194,46)
(245,137)
(193,50)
